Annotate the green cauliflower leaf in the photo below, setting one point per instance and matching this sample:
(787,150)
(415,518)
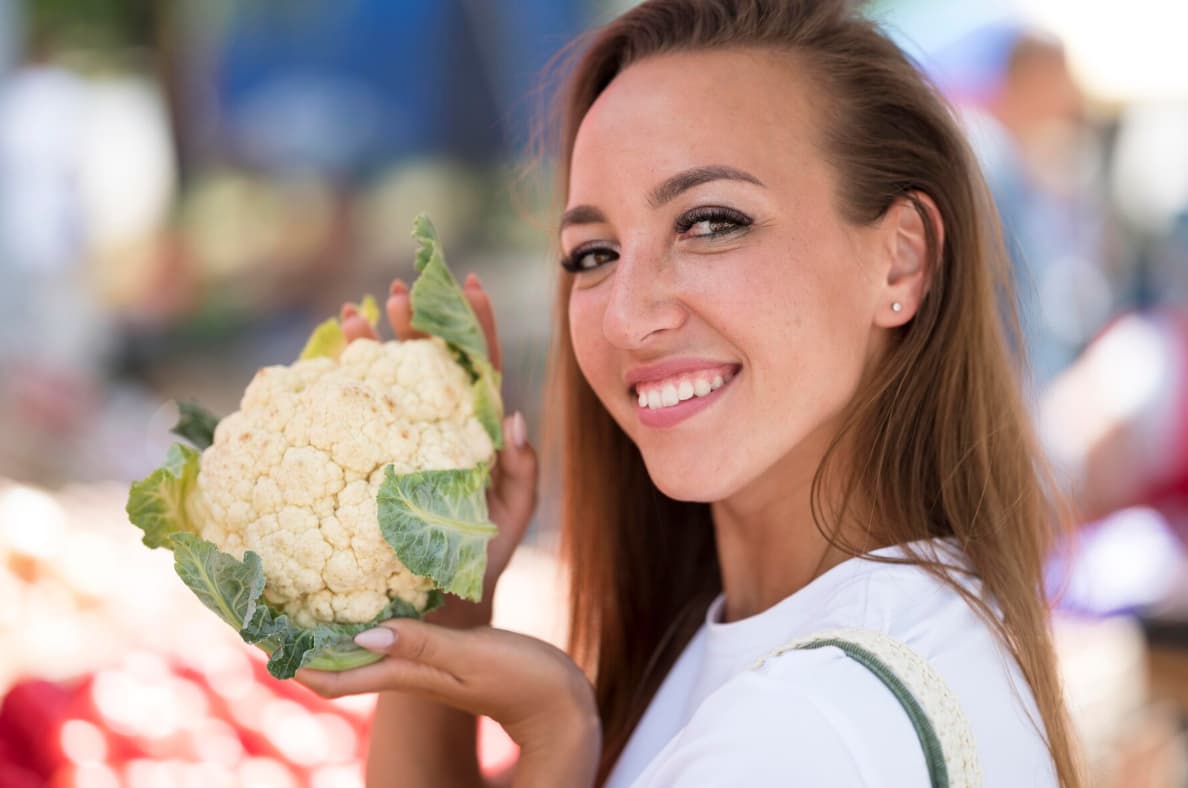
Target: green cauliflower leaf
(196,424)
(229,587)
(440,308)
(233,589)
(436,521)
(488,405)
(156,504)
(328,338)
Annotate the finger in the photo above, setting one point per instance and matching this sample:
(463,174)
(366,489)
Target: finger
(354,325)
(514,488)
(418,642)
(481,304)
(418,657)
(388,675)
(399,309)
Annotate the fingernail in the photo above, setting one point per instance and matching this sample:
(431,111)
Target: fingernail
(398,288)
(519,430)
(349,311)
(472,280)
(376,639)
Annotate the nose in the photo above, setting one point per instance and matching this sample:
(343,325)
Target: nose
(644,301)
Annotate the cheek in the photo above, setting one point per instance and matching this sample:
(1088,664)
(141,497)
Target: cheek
(806,327)
(585,333)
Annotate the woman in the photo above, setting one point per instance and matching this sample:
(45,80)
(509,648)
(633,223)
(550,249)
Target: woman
(786,407)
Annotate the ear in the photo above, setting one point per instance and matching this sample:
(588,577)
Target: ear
(909,269)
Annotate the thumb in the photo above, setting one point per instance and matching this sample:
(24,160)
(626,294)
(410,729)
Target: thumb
(419,642)
(427,659)
(421,658)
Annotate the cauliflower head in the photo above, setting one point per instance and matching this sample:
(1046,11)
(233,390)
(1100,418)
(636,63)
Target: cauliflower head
(293,475)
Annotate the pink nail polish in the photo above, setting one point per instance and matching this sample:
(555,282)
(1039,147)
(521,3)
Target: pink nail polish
(376,639)
(519,430)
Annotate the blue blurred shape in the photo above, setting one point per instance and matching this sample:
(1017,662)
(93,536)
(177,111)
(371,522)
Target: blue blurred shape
(339,85)
(961,46)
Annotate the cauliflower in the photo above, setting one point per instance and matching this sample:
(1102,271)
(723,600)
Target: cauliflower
(293,475)
(347,488)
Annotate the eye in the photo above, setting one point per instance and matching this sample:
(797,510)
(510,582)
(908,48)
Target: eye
(587,257)
(711,222)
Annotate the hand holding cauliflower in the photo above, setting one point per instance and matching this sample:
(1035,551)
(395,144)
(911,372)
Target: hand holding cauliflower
(348,488)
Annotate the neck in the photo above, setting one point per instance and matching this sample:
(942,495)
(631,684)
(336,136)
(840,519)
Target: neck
(769,546)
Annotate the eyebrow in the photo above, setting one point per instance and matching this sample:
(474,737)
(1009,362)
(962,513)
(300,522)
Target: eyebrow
(582,214)
(666,191)
(683,181)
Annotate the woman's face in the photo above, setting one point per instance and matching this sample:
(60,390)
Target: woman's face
(725,311)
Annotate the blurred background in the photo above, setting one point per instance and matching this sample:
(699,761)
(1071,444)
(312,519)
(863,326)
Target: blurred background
(188,187)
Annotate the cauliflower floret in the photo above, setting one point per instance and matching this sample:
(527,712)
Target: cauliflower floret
(293,474)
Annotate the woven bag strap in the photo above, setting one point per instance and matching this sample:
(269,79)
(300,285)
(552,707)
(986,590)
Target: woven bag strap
(949,748)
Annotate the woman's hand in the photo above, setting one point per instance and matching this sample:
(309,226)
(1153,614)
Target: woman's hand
(539,696)
(511,498)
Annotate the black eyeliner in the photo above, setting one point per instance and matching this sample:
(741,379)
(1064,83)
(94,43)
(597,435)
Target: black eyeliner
(707,213)
(569,261)
(711,213)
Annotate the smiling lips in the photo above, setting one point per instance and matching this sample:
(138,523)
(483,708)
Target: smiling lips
(677,388)
(670,392)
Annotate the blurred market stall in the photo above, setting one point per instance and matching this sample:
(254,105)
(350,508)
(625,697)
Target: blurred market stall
(186,188)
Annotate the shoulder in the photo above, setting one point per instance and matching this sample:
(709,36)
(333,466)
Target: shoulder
(806,718)
(930,617)
(819,717)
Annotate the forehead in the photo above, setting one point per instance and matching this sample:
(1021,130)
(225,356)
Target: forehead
(750,108)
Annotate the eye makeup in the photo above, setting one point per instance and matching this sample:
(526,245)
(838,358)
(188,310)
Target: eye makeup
(710,221)
(718,220)
(588,256)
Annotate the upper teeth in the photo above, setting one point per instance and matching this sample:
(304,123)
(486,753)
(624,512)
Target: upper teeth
(666,393)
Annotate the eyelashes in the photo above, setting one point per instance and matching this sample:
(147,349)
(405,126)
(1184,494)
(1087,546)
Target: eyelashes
(719,221)
(587,257)
(706,222)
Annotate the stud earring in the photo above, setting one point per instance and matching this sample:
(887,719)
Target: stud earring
(896,307)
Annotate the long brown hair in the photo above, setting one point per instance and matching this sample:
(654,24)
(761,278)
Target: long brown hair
(943,440)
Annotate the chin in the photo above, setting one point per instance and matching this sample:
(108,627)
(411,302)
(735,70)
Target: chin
(699,485)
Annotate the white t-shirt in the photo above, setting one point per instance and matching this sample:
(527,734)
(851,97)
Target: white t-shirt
(817,717)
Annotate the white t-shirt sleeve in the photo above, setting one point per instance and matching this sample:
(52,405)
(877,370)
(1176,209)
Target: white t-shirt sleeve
(810,718)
